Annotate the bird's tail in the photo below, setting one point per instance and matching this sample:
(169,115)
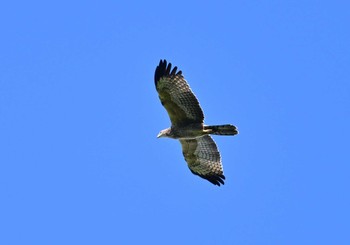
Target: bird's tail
(226,129)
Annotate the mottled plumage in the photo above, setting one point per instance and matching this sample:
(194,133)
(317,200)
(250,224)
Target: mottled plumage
(186,115)
(203,158)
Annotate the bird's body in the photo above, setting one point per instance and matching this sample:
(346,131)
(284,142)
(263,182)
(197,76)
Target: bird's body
(196,130)
(187,124)
(185,132)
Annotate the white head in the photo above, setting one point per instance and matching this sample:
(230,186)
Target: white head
(164,133)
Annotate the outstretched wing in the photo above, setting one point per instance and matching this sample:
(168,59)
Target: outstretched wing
(203,158)
(176,95)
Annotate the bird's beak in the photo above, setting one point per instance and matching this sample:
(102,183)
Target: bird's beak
(159,135)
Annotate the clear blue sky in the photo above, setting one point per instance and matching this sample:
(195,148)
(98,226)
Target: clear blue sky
(79,159)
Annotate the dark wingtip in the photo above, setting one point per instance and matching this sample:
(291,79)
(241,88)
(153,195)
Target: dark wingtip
(217,179)
(164,70)
(160,70)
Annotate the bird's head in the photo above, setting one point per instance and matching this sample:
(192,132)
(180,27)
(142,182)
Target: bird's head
(164,133)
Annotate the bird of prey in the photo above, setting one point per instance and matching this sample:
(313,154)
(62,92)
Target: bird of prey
(187,124)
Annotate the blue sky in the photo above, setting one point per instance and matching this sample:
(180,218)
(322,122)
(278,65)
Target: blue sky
(80,162)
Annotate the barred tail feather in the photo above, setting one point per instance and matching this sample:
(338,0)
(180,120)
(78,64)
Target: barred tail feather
(226,129)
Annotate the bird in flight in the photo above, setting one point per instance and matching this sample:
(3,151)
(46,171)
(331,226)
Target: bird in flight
(187,124)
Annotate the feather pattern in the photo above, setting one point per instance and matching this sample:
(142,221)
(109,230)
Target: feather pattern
(203,158)
(176,96)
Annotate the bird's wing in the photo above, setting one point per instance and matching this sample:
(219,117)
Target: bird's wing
(203,158)
(176,96)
